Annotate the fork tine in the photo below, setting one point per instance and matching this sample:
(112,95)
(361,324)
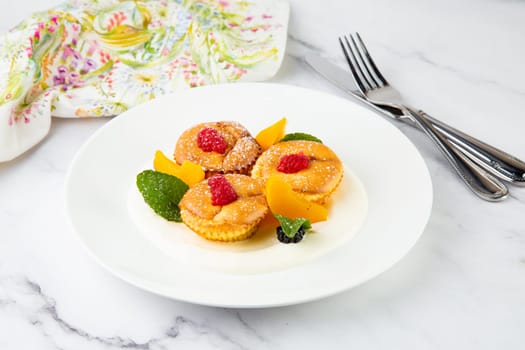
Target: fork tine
(347,53)
(362,63)
(369,59)
(357,65)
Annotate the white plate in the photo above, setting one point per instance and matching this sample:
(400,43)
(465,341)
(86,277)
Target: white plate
(394,175)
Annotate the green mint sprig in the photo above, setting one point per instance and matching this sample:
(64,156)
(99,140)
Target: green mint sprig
(291,226)
(162,192)
(300,136)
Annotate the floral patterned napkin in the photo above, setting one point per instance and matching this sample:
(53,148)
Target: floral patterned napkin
(93,58)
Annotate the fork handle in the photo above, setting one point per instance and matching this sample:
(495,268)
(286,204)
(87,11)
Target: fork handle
(492,159)
(477,180)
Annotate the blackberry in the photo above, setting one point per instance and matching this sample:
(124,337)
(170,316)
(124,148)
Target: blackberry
(285,239)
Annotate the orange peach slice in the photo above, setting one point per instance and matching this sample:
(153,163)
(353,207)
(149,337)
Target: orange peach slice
(272,134)
(284,201)
(188,172)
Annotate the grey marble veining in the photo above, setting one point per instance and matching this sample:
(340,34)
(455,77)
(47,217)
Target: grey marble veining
(460,287)
(25,301)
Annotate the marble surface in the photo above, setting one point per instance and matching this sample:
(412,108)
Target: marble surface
(461,287)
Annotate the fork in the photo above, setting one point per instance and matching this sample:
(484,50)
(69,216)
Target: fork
(497,162)
(377,90)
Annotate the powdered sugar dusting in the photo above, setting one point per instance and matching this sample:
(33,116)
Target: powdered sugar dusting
(239,155)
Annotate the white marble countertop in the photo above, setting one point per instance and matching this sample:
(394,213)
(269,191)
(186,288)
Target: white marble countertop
(461,287)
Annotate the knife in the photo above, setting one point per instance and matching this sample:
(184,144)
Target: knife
(490,158)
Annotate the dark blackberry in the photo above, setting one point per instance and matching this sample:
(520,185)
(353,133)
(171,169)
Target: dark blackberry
(285,239)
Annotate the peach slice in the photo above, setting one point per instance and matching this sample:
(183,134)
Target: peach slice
(272,134)
(188,172)
(284,201)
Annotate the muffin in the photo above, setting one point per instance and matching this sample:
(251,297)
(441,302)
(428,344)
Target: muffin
(219,147)
(312,169)
(224,207)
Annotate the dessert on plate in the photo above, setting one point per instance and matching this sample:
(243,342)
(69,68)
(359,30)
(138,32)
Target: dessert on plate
(219,147)
(221,186)
(312,169)
(224,207)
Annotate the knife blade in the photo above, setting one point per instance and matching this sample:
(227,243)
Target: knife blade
(344,80)
(490,158)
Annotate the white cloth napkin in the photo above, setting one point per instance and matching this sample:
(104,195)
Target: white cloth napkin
(89,58)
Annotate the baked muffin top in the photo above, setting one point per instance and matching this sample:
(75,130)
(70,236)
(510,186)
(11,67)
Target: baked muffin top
(315,180)
(219,147)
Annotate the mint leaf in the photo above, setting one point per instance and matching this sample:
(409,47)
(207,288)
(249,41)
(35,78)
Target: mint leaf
(306,225)
(291,226)
(162,192)
(300,136)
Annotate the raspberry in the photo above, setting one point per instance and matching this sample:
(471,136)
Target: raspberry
(209,140)
(222,192)
(293,163)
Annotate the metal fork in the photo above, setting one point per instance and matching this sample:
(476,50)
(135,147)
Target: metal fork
(497,162)
(377,90)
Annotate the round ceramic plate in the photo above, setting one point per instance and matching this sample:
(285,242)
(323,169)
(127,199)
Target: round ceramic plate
(393,184)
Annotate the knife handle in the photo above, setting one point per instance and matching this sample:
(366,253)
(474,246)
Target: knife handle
(492,159)
(477,180)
